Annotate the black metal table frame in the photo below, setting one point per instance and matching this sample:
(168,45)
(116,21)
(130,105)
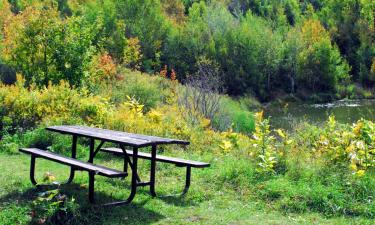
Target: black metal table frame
(135,180)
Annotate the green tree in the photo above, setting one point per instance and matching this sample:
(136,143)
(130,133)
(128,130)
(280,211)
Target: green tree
(145,20)
(247,49)
(320,66)
(187,43)
(44,47)
(351,25)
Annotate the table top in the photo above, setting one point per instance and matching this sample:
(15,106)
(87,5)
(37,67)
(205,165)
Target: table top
(129,139)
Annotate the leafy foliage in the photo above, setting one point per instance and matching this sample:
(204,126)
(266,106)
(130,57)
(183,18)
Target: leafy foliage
(24,108)
(52,206)
(262,48)
(45,48)
(320,63)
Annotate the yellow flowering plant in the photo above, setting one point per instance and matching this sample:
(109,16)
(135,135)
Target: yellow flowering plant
(265,146)
(351,147)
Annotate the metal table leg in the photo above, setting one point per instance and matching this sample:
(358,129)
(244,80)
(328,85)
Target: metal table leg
(92,150)
(153,171)
(74,155)
(32,170)
(133,182)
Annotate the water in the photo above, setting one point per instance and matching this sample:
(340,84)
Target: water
(345,111)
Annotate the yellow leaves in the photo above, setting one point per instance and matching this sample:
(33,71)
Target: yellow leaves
(281,133)
(155,116)
(205,123)
(312,32)
(348,145)
(259,116)
(132,53)
(323,140)
(357,128)
(226,146)
(265,146)
(350,148)
(29,107)
(32,18)
(353,166)
(231,138)
(360,173)
(331,122)
(134,106)
(49,177)
(5,12)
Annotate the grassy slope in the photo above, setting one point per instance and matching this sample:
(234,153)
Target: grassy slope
(208,202)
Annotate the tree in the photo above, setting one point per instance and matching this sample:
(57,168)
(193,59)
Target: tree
(320,65)
(351,25)
(44,47)
(145,20)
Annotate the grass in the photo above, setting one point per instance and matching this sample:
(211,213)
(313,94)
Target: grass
(234,114)
(218,195)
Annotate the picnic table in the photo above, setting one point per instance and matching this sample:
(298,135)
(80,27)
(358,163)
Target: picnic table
(123,140)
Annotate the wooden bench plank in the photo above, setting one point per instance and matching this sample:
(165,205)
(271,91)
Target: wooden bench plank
(100,170)
(166,159)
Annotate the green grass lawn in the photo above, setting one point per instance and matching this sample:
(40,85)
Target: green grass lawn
(209,201)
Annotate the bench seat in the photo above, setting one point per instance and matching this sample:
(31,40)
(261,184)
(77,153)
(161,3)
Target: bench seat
(160,158)
(75,163)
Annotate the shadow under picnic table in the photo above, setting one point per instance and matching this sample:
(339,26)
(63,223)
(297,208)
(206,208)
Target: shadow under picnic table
(84,212)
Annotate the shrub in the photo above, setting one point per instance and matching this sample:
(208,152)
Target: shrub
(101,69)
(148,90)
(269,154)
(235,115)
(23,109)
(132,54)
(43,47)
(51,207)
(201,93)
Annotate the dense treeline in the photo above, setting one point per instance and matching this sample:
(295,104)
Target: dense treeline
(259,47)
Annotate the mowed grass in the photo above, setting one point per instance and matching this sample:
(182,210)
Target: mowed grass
(209,200)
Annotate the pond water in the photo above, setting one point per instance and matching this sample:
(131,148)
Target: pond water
(345,111)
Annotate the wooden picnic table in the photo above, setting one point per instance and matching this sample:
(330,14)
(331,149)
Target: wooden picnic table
(123,139)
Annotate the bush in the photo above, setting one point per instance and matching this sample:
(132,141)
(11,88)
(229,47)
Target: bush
(232,114)
(23,109)
(43,47)
(148,90)
(200,96)
(102,69)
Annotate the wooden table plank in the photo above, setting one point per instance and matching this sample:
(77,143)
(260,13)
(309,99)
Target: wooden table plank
(135,140)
